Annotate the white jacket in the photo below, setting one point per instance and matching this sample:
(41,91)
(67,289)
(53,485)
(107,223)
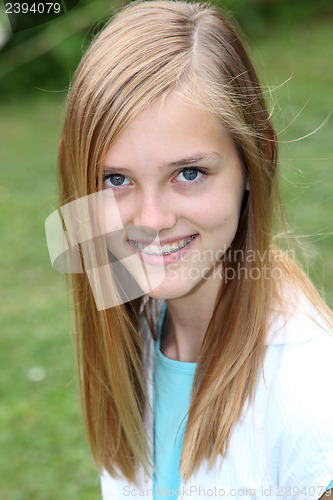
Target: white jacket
(283,446)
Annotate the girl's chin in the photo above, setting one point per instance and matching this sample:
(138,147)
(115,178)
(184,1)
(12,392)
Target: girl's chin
(164,295)
(173,290)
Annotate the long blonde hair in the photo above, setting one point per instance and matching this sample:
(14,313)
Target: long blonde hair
(147,51)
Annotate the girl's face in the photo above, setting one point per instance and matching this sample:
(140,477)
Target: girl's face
(175,170)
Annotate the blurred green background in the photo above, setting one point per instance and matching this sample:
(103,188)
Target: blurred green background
(43,451)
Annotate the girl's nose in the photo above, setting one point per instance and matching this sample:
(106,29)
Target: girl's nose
(155,211)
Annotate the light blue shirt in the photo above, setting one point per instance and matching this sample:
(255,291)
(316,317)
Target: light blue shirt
(172,391)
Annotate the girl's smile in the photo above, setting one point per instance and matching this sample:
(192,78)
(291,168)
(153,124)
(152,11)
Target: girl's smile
(171,252)
(174,169)
(163,248)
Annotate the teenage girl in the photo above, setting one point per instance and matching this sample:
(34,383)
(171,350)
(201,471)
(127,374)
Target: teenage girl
(217,381)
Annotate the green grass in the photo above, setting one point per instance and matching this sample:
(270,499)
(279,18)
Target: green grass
(44,455)
(294,61)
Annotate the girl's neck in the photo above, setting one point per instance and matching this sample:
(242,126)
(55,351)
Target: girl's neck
(185,324)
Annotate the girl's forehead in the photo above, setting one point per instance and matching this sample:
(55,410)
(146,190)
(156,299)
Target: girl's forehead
(169,131)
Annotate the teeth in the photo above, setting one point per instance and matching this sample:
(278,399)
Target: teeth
(165,249)
(153,249)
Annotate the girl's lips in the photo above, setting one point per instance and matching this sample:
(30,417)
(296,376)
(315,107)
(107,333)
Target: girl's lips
(164,248)
(164,253)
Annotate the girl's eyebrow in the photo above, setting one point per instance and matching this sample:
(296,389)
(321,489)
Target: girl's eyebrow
(193,159)
(183,162)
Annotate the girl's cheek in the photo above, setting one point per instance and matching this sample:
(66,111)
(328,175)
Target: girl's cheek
(126,209)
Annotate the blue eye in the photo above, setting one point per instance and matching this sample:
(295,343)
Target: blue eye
(115,180)
(189,175)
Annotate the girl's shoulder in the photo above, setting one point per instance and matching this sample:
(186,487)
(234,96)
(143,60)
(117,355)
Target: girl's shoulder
(297,318)
(298,366)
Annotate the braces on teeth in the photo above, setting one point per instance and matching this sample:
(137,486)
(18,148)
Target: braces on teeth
(165,252)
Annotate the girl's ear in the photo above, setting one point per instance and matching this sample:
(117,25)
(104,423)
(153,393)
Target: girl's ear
(247,185)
